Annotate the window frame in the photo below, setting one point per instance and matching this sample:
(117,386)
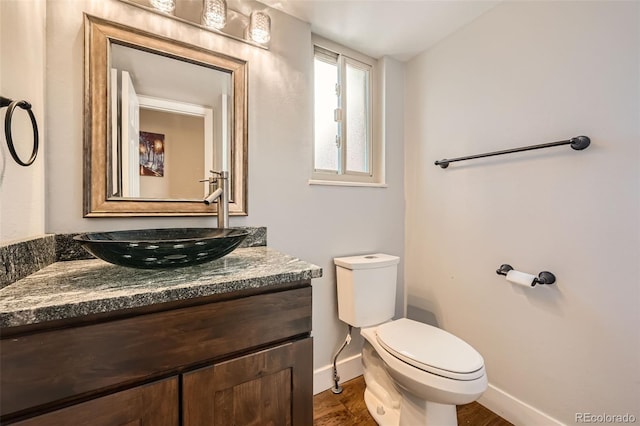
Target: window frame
(327,50)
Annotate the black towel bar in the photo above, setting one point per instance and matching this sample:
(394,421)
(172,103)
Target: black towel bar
(578,143)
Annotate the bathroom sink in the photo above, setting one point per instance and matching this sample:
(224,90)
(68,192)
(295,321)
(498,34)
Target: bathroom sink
(162,248)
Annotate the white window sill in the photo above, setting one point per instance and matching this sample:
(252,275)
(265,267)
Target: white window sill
(344,183)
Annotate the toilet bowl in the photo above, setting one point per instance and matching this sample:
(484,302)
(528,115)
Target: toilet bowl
(428,372)
(415,374)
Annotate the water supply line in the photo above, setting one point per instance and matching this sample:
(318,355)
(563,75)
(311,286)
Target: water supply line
(336,387)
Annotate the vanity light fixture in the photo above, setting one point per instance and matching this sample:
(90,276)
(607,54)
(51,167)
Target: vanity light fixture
(214,14)
(259,27)
(231,18)
(166,6)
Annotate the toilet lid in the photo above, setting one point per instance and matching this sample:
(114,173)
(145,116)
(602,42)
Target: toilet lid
(430,349)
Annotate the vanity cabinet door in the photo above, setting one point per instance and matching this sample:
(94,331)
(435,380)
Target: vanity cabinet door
(155,404)
(270,387)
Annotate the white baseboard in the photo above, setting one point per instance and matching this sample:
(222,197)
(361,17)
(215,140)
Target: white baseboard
(348,369)
(500,402)
(512,409)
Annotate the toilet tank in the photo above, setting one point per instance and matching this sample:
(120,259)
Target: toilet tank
(366,288)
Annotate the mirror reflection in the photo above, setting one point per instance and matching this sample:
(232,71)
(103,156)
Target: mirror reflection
(159,115)
(172,125)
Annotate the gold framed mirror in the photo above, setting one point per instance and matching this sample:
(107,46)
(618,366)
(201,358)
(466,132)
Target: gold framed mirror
(159,114)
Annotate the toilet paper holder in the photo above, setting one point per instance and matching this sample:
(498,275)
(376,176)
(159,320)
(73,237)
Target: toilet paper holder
(544,277)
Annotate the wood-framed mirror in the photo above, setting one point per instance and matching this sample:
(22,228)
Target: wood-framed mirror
(159,114)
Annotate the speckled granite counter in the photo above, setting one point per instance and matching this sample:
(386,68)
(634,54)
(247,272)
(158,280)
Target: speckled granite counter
(83,287)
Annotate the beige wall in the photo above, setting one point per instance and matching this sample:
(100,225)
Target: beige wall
(22,77)
(184,155)
(528,73)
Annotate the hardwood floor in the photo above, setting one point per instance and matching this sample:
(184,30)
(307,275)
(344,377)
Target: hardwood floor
(349,409)
(345,409)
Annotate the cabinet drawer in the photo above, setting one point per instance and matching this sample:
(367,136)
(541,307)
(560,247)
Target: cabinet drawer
(153,404)
(59,366)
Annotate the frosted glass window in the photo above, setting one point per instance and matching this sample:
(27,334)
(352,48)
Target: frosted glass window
(357,119)
(346,149)
(325,127)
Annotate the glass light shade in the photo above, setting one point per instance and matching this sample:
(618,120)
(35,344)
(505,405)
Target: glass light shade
(214,14)
(259,27)
(166,6)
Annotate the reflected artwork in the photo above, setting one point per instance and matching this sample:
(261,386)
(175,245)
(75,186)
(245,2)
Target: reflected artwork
(151,154)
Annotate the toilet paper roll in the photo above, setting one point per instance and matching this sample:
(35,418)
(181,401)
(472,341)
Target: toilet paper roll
(520,278)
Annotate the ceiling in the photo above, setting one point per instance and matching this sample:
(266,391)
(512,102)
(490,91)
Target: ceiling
(203,87)
(397,28)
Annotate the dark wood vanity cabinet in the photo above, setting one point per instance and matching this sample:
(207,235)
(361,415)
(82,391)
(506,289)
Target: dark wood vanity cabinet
(151,404)
(262,388)
(235,359)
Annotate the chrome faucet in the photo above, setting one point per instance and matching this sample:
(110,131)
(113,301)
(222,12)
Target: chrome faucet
(219,191)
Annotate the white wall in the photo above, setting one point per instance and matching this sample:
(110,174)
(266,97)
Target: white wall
(315,223)
(22,74)
(527,73)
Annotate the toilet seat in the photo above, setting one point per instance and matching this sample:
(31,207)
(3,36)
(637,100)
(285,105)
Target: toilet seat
(430,349)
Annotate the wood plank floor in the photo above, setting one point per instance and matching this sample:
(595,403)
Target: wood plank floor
(349,409)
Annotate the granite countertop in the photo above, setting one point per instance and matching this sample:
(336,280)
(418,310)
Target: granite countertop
(83,287)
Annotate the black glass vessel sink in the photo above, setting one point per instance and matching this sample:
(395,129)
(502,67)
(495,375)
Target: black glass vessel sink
(162,248)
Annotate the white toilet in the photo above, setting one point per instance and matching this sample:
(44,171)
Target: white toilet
(415,374)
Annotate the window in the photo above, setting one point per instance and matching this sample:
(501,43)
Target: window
(346,149)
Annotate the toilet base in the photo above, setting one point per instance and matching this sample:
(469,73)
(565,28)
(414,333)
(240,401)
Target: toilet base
(415,411)
(383,415)
(412,413)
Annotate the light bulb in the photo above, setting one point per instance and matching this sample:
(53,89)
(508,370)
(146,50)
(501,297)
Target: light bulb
(214,14)
(166,6)
(259,27)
